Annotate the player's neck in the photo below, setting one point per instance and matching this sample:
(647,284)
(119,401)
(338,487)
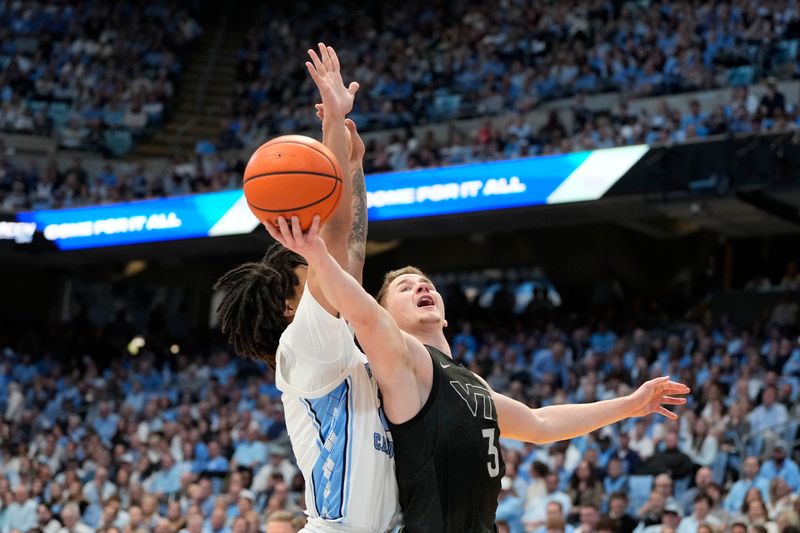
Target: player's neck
(435,339)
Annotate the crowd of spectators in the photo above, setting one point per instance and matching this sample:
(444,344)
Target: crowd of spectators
(51,187)
(98,73)
(45,185)
(92,74)
(431,62)
(102,434)
(590,130)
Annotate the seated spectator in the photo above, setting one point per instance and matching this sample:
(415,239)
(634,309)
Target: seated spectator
(756,513)
(45,521)
(781,497)
(21,512)
(618,513)
(781,466)
(652,511)
(671,519)
(216,523)
(71,519)
(700,516)
(671,459)
(584,488)
(700,445)
(554,510)
(703,478)
(750,478)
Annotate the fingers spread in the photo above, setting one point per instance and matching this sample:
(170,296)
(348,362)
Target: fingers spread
(326,58)
(313,71)
(664,411)
(314,229)
(334,59)
(286,233)
(273,232)
(671,400)
(317,61)
(297,231)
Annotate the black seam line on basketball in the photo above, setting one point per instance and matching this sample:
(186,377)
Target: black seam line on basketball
(320,152)
(312,204)
(321,174)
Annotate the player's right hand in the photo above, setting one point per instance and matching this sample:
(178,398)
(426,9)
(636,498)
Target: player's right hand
(324,70)
(309,244)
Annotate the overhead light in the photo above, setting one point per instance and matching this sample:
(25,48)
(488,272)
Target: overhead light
(136,344)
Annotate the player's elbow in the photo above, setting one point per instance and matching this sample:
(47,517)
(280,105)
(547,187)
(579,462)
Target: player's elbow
(538,429)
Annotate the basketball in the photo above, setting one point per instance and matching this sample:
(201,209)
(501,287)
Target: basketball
(292,175)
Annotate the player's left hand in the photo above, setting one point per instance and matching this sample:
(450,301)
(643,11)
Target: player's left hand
(324,70)
(653,395)
(309,244)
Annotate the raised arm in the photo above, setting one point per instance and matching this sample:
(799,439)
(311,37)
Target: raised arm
(357,240)
(338,101)
(388,348)
(560,422)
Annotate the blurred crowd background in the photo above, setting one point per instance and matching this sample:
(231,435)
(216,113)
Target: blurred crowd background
(125,418)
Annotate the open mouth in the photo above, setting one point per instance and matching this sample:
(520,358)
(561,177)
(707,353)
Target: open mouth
(425,301)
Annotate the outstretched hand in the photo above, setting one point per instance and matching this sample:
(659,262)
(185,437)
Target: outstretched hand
(324,70)
(653,395)
(309,245)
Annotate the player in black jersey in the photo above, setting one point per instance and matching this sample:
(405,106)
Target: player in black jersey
(445,420)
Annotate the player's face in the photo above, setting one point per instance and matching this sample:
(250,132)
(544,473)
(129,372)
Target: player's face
(412,300)
(294,301)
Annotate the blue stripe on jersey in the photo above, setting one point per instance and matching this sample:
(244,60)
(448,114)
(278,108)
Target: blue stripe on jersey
(316,423)
(349,458)
(330,475)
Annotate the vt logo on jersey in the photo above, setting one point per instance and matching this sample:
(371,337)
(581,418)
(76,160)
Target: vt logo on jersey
(472,394)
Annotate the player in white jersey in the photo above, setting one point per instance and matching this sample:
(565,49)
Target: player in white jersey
(275,311)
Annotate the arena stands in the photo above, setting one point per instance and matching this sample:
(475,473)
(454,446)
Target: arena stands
(46,186)
(104,433)
(429,63)
(96,76)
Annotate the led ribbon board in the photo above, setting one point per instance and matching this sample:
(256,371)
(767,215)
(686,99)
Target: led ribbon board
(575,177)
(185,217)
(490,186)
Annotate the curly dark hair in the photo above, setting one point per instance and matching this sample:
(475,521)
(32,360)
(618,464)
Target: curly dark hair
(251,313)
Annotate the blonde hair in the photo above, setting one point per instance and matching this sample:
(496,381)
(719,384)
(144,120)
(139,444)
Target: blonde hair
(393,275)
(280,516)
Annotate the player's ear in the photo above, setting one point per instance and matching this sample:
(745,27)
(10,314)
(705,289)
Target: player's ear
(288,310)
(445,323)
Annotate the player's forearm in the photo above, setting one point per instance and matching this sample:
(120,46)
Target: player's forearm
(561,422)
(357,242)
(343,292)
(336,230)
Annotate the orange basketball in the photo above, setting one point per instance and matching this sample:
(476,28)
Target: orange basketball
(292,175)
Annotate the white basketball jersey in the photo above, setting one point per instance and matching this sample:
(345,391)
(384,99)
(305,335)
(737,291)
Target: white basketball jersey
(339,434)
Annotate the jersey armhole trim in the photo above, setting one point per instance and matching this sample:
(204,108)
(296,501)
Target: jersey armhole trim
(285,387)
(428,403)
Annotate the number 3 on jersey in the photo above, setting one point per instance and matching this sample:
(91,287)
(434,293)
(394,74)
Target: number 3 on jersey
(493,465)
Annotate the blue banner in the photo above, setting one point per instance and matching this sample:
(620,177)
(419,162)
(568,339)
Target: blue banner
(574,177)
(489,186)
(166,219)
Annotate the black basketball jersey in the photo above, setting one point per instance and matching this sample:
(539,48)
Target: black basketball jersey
(447,457)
